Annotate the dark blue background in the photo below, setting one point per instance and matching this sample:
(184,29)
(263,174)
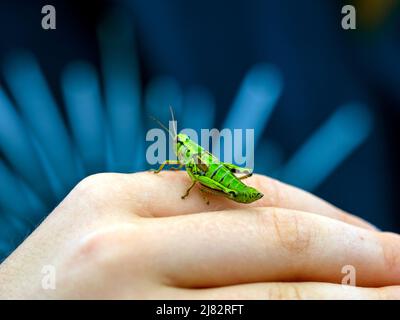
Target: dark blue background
(208,47)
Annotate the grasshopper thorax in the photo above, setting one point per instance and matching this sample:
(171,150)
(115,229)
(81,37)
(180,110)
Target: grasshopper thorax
(181,140)
(185,148)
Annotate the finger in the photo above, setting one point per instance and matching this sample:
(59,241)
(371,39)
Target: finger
(269,244)
(149,194)
(282,195)
(289,291)
(276,194)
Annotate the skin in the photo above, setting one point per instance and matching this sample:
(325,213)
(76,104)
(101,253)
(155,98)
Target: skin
(118,236)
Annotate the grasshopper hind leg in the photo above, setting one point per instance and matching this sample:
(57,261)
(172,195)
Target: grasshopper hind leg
(247,172)
(248,175)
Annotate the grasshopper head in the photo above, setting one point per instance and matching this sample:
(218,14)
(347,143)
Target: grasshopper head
(181,139)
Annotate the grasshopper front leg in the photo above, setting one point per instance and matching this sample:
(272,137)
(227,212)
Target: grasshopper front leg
(188,190)
(177,168)
(168,162)
(194,180)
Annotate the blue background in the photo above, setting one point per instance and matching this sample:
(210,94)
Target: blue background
(324,102)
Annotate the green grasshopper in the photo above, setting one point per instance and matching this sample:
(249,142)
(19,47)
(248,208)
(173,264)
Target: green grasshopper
(214,176)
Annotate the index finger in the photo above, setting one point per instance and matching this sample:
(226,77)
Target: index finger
(159,195)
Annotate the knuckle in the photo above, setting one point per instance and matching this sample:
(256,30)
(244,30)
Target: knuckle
(99,246)
(96,188)
(390,243)
(92,182)
(276,192)
(105,248)
(96,247)
(292,231)
(269,187)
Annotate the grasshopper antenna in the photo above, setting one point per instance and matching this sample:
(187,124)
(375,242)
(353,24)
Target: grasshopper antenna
(173,120)
(163,126)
